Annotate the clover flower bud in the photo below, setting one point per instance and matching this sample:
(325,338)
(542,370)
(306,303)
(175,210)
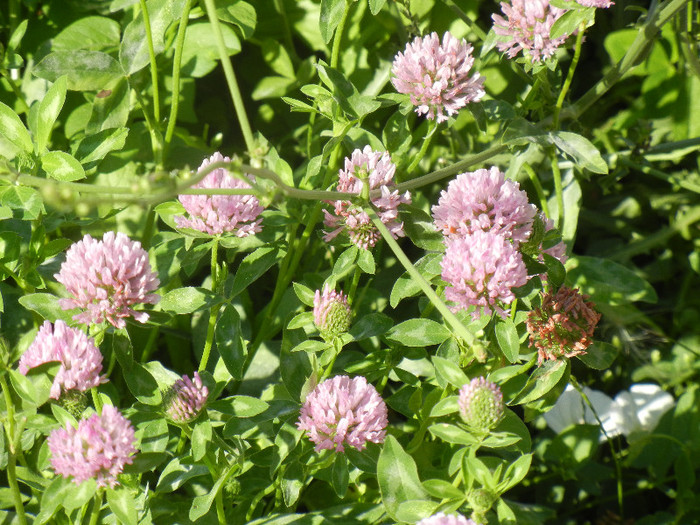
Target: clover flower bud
(446,519)
(437,75)
(184,401)
(106,277)
(332,313)
(563,326)
(481,404)
(342,412)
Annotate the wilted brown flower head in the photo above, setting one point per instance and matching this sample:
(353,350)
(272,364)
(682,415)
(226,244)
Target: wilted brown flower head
(563,326)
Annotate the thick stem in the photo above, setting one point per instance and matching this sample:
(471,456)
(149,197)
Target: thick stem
(14,487)
(235,92)
(95,516)
(432,126)
(569,75)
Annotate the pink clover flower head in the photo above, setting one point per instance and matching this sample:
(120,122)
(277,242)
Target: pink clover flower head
(446,519)
(596,3)
(99,448)
(376,168)
(484,200)
(480,270)
(481,404)
(342,412)
(332,313)
(185,400)
(437,75)
(528,26)
(216,214)
(106,277)
(81,361)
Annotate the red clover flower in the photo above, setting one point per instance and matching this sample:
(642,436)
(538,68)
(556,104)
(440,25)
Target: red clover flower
(332,313)
(563,326)
(484,200)
(528,26)
(106,277)
(343,412)
(185,399)
(99,448)
(480,270)
(216,214)
(81,361)
(446,519)
(481,404)
(436,76)
(375,167)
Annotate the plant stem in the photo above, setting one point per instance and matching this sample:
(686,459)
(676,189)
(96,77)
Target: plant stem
(353,284)
(95,516)
(465,18)
(214,310)
(152,57)
(335,50)
(457,327)
(432,126)
(12,459)
(569,75)
(177,63)
(538,188)
(559,191)
(10,407)
(235,92)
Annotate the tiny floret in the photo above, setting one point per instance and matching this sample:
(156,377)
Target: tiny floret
(376,168)
(342,412)
(184,401)
(99,448)
(81,361)
(446,519)
(106,277)
(216,214)
(527,27)
(437,76)
(481,269)
(332,313)
(563,326)
(484,200)
(481,404)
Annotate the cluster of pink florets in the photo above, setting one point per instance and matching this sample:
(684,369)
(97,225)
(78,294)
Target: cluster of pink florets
(184,401)
(375,168)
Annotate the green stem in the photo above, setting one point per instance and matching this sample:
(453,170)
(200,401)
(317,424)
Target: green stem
(559,191)
(432,126)
(14,487)
(156,138)
(148,229)
(95,516)
(353,285)
(220,512)
(538,188)
(10,407)
(150,344)
(569,75)
(279,6)
(152,57)
(457,327)
(177,63)
(465,18)
(12,459)
(335,50)
(214,310)
(235,92)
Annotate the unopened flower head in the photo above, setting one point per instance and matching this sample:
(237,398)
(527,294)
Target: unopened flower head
(484,200)
(106,277)
(342,412)
(446,519)
(99,448)
(332,313)
(216,214)
(481,404)
(81,361)
(527,27)
(437,76)
(480,270)
(184,401)
(563,326)
(376,168)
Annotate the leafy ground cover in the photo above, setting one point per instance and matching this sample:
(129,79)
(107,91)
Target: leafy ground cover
(298,261)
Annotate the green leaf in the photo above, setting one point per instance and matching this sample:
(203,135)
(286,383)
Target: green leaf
(84,70)
(445,407)
(239,406)
(331,15)
(61,166)
(49,109)
(397,475)
(599,355)
(345,262)
(508,339)
(13,129)
(176,474)
(419,332)
(241,14)
(254,266)
(200,53)
(24,387)
(138,379)
(340,475)
(556,273)
(230,343)
(17,36)
(93,33)
(542,380)
(187,300)
(311,346)
(94,148)
(376,5)
(134,49)
(304,293)
(516,472)
(371,325)
(201,437)
(584,153)
(202,504)
(452,434)
(439,488)
(412,511)
(121,502)
(46,305)
(570,21)
(273,87)
(365,261)
(608,282)
(450,372)
(23,198)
